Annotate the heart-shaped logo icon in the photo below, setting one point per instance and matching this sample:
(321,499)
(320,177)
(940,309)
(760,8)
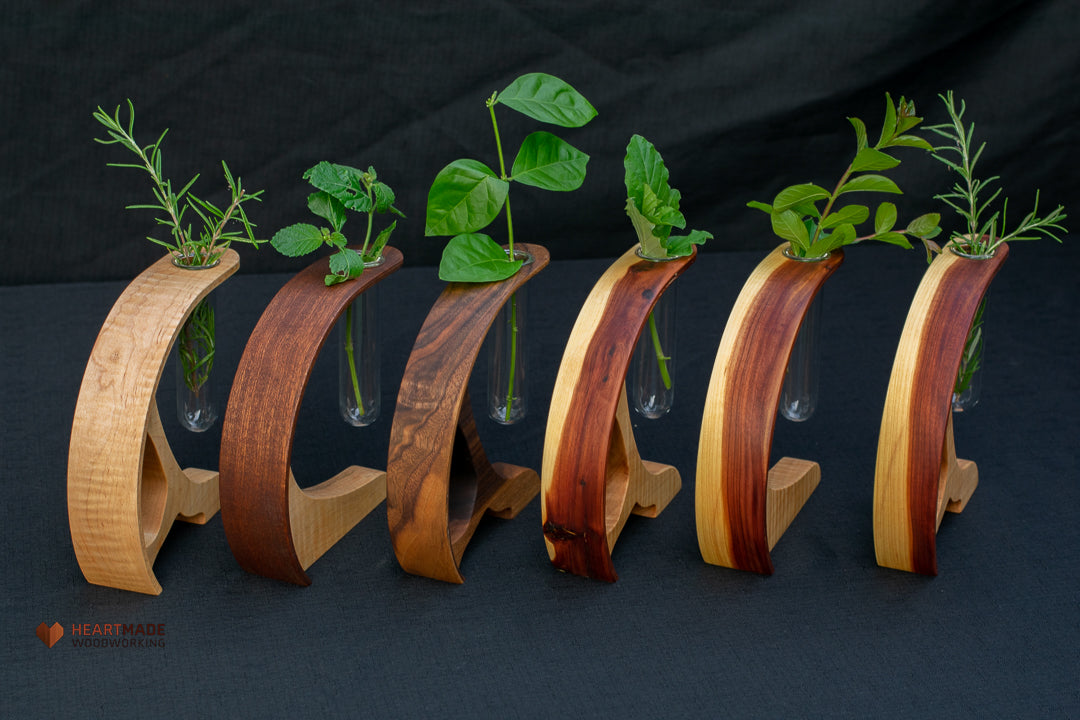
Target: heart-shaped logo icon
(50,635)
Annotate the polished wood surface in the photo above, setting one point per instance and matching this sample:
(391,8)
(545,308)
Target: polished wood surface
(918,476)
(592,475)
(274,527)
(741,505)
(439,480)
(125,488)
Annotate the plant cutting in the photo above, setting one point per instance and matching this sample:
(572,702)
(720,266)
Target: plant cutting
(340,188)
(984,229)
(813,232)
(653,208)
(196,342)
(467,196)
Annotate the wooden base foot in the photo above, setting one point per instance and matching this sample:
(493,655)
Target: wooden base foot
(791,483)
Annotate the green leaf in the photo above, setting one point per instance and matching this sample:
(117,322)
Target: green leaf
(475,257)
(870,183)
(884,218)
(341,181)
(925,226)
(888,128)
(797,195)
(296,240)
(548,99)
(380,242)
(893,238)
(657,212)
(345,264)
(643,227)
(644,166)
(860,133)
(465,196)
(682,245)
(853,214)
(790,227)
(327,207)
(871,159)
(360,203)
(335,240)
(843,235)
(550,163)
(911,141)
(760,206)
(384,197)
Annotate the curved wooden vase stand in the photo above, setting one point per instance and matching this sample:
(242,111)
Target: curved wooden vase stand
(125,488)
(742,506)
(593,478)
(439,480)
(274,527)
(918,476)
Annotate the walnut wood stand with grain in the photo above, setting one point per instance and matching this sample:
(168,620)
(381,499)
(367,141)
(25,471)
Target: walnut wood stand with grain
(439,480)
(741,505)
(918,476)
(274,527)
(593,478)
(125,488)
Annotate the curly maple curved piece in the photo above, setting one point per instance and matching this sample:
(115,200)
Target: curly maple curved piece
(918,476)
(274,527)
(741,506)
(439,480)
(124,486)
(592,475)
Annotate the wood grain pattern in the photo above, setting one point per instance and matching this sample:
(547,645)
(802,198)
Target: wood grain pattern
(735,509)
(592,476)
(274,527)
(124,486)
(917,476)
(439,480)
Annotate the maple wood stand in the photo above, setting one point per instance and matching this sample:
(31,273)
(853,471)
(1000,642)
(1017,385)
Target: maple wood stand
(918,476)
(274,527)
(124,486)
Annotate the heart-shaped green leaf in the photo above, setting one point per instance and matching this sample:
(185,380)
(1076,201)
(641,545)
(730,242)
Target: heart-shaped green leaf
(465,196)
(475,257)
(550,163)
(548,99)
(296,240)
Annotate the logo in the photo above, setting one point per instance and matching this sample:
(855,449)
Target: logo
(50,635)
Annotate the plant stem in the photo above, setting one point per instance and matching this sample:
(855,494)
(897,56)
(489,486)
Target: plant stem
(370,217)
(661,359)
(513,356)
(510,244)
(352,359)
(828,205)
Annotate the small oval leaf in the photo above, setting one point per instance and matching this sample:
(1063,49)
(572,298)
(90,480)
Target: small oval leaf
(465,196)
(870,183)
(885,217)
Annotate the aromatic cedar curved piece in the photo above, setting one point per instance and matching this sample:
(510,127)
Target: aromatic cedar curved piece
(918,476)
(592,475)
(439,480)
(125,488)
(275,528)
(742,506)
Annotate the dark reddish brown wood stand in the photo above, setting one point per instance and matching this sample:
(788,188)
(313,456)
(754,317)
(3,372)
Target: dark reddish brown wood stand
(918,475)
(274,527)
(742,506)
(593,477)
(439,480)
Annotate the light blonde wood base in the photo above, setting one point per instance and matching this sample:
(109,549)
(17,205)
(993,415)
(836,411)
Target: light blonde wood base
(592,477)
(918,476)
(741,506)
(125,488)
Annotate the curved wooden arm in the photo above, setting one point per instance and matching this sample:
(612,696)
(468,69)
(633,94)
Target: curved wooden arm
(742,507)
(125,488)
(439,480)
(593,477)
(918,476)
(274,527)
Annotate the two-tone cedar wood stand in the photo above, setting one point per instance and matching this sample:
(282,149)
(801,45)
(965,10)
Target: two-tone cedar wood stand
(274,527)
(593,478)
(742,506)
(125,488)
(439,480)
(918,476)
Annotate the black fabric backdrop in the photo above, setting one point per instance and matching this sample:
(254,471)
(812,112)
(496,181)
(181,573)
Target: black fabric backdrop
(741,100)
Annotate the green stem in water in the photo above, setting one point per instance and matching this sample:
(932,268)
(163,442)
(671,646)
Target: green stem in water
(352,358)
(510,255)
(513,356)
(661,359)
